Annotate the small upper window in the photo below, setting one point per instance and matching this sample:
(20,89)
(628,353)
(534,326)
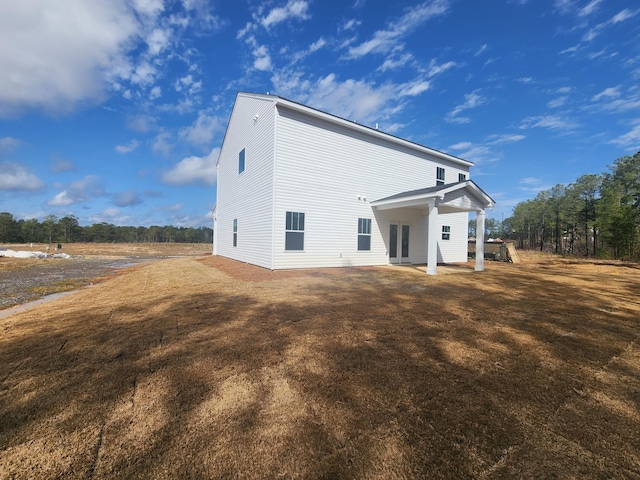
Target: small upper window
(241,161)
(446,232)
(294,231)
(364,234)
(439,176)
(462,177)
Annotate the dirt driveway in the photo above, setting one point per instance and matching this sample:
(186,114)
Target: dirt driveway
(208,368)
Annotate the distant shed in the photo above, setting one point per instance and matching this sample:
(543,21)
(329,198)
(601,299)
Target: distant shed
(494,249)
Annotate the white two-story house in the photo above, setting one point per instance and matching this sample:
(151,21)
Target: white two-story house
(301,188)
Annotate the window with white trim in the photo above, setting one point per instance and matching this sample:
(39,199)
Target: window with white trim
(241,157)
(446,232)
(462,177)
(235,232)
(294,231)
(439,176)
(364,234)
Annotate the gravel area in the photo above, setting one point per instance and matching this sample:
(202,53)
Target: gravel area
(38,280)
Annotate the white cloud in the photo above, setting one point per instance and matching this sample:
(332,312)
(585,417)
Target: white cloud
(80,191)
(141,123)
(505,138)
(16,177)
(293,9)
(622,16)
(589,8)
(557,102)
(394,62)
(262,59)
(128,198)
(128,148)
(384,41)
(194,170)
(148,8)
(162,144)
(60,166)
(564,6)
(62,199)
(435,69)
(485,152)
(533,185)
(613,101)
(472,100)
(552,122)
(611,92)
(155,92)
(52,54)
(350,24)
(630,139)
(480,50)
(356,100)
(570,49)
(188,85)
(619,17)
(158,40)
(461,146)
(317,45)
(55,55)
(203,129)
(111,215)
(8,144)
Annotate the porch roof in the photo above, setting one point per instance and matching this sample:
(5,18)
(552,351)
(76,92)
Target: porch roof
(460,196)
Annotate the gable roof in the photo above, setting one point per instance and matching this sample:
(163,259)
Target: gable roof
(313,112)
(421,196)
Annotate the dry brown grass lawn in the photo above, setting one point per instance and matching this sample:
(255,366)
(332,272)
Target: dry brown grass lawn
(208,368)
(118,249)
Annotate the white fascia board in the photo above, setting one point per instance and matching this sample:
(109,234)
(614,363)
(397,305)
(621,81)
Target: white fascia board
(370,131)
(415,201)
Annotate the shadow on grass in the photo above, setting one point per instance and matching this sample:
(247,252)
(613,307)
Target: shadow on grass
(373,373)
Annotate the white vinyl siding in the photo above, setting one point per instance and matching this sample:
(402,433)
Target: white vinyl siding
(247,197)
(455,249)
(332,173)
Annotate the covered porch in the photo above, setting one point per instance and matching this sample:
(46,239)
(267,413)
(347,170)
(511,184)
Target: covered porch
(464,196)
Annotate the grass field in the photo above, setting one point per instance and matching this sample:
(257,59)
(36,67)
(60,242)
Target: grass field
(208,368)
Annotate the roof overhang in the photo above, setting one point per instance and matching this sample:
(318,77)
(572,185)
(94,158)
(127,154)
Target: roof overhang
(463,196)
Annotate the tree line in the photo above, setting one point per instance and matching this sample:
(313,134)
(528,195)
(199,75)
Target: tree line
(68,230)
(598,215)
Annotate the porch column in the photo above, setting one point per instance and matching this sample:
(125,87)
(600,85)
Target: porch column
(480,241)
(432,238)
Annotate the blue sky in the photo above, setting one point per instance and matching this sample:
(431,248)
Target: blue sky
(115,110)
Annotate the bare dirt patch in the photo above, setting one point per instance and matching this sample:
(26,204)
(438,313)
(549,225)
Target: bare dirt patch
(189,369)
(24,280)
